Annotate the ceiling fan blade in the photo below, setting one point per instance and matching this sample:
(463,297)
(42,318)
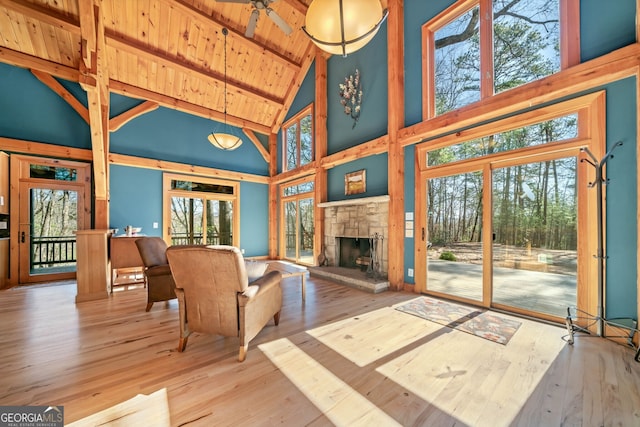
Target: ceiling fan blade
(253,21)
(278,21)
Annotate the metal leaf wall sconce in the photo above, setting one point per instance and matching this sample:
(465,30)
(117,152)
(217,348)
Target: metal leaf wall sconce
(351,96)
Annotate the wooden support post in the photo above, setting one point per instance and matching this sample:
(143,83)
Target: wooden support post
(396,175)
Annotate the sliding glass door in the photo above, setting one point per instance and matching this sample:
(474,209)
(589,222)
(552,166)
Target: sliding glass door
(535,213)
(297,224)
(454,248)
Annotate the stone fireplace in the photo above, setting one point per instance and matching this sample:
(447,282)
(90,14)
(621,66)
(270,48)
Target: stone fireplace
(362,221)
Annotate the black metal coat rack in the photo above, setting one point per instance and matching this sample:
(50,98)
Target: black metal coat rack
(600,318)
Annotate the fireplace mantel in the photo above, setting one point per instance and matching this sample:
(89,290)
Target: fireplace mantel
(359,201)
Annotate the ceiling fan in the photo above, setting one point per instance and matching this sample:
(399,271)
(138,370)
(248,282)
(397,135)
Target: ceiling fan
(259,5)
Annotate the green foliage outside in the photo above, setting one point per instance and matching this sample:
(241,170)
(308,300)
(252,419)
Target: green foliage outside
(448,256)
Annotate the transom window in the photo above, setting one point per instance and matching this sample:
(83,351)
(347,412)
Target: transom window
(53,172)
(297,136)
(556,130)
(467,58)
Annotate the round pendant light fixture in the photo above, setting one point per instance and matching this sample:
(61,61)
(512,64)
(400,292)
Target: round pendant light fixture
(225,140)
(341,27)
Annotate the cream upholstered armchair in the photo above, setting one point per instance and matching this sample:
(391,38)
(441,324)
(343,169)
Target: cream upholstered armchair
(215,296)
(160,284)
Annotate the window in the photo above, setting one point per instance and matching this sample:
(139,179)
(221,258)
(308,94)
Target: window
(201,211)
(297,137)
(297,221)
(559,129)
(53,172)
(508,196)
(467,58)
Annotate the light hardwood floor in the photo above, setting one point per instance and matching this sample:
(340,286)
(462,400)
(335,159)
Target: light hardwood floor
(344,358)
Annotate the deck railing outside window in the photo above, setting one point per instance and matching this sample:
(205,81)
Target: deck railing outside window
(49,251)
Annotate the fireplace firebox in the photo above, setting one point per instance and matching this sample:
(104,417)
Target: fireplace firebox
(353,252)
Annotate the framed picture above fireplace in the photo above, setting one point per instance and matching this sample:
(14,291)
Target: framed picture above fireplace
(355,182)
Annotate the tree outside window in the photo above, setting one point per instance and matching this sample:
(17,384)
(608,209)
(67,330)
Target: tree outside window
(298,140)
(468,59)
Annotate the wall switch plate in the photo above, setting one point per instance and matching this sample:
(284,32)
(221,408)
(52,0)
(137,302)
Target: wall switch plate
(155,225)
(410,272)
(1,200)
(242,250)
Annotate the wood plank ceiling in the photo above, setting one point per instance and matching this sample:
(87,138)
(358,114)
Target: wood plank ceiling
(167,51)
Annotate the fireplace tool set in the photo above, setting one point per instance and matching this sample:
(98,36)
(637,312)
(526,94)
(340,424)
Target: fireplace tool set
(375,249)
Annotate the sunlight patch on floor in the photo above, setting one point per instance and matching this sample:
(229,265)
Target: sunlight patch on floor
(458,376)
(369,337)
(336,399)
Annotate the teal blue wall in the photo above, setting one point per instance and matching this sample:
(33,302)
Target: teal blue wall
(605,26)
(371,61)
(621,204)
(416,14)
(376,168)
(138,202)
(254,218)
(171,135)
(31,111)
(136,199)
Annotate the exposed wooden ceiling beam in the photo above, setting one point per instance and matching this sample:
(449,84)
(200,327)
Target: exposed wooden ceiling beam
(238,36)
(135,48)
(23,60)
(263,151)
(186,107)
(55,86)
(73,26)
(167,166)
(117,122)
(88,32)
(43,15)
(298,5)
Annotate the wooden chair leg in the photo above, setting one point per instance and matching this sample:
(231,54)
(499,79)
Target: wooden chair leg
(243,352)
(182,344)
(149,305)
(276,318)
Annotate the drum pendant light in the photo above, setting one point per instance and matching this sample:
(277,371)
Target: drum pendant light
(341,27)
